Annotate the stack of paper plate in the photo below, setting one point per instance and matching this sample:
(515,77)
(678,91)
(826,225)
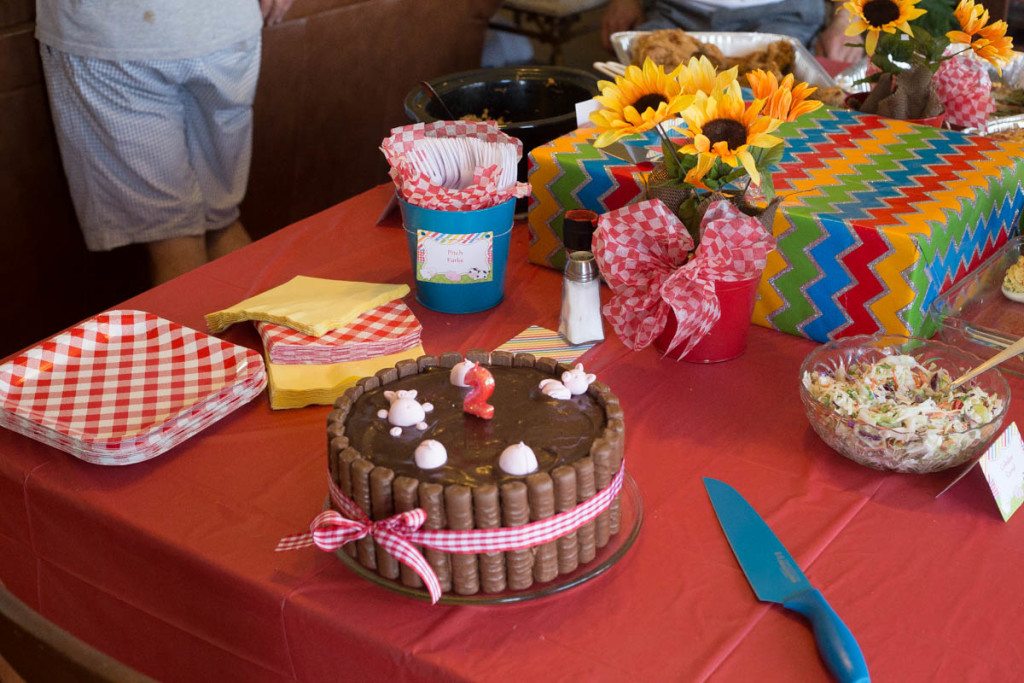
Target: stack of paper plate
(125,386)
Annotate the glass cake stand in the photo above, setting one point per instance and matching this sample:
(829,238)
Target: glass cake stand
(632,514)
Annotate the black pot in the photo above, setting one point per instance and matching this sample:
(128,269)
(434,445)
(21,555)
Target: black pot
(536,103)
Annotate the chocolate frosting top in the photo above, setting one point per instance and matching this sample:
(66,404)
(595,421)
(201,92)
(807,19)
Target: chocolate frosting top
(560,432)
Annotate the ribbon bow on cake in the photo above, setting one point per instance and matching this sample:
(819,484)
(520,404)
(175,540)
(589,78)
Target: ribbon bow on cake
(400,534)
(643,252)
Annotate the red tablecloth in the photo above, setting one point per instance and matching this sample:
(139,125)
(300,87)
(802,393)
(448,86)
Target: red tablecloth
(169,565)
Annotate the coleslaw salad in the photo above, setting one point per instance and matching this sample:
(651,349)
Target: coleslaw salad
(905,416)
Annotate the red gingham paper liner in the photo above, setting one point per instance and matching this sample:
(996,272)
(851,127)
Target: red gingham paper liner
(124,386)
(965,88)
(381,331)
(641,250)
(417,188)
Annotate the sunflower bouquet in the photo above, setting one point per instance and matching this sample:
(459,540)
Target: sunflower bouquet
(727,144)
(909,41)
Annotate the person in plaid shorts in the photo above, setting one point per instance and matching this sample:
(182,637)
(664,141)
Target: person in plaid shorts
(152,103)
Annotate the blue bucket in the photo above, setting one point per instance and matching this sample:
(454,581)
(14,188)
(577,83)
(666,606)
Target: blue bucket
(459,257)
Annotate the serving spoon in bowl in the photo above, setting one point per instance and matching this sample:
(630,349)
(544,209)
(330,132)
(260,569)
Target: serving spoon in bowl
(1009,352)
(429,89)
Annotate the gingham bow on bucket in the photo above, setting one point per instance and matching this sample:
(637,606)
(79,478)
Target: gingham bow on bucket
(398,534)
(965,88)
(642,251)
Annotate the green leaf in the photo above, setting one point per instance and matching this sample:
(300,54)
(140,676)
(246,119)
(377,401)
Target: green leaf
(689,214)
(767,186)
(687,162)
(716,177)
(734,175)
(671,158)
(771,156)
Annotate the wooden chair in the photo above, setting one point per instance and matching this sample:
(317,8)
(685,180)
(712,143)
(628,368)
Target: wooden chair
(37,650)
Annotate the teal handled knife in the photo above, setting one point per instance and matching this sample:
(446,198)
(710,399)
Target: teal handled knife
(775,577)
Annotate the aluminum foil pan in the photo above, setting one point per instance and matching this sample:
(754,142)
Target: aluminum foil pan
(999,124)
(805,66)
(848,77)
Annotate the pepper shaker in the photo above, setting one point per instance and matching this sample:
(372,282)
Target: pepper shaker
(580,320)
(578,227)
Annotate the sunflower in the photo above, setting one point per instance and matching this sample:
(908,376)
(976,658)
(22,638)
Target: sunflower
(783,101)
(988,42)
(638,101)
(700,75)
(875,16)
(725,128)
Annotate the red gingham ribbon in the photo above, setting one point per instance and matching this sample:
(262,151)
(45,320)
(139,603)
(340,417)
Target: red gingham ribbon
(642,251)
(397,534)
(965,88)
(417,188)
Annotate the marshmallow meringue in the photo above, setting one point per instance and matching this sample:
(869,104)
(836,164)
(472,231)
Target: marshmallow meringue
(518,460)
(430,454)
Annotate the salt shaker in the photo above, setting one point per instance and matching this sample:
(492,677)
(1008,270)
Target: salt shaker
(580,320)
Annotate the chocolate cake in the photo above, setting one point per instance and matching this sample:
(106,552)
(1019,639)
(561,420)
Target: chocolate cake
(576,443)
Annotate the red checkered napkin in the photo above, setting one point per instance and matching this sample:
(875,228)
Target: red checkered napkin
(125,386)
(381,331)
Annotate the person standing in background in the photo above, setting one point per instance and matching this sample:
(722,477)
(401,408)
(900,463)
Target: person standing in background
(152,103)
(835,44)
(801,19)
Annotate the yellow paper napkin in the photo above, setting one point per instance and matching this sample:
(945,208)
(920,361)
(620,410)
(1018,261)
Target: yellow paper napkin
(310,305)
(295,386)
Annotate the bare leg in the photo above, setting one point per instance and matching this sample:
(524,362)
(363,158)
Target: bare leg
(226,240)
(172,257)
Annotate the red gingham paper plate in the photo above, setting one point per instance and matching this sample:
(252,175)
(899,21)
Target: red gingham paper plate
(387,329)
(125,386)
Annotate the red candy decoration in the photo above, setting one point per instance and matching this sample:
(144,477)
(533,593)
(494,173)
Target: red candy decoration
(481,386)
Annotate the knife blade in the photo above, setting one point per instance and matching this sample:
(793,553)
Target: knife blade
(775,577)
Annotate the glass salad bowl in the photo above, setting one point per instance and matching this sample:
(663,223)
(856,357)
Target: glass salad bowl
(883,401)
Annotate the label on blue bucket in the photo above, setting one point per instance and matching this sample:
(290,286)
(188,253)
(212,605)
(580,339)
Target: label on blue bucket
(454,259)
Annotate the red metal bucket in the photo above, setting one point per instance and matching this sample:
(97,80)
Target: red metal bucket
(727,338)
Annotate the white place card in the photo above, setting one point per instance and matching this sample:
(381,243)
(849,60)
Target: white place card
(1003,465)
(583,111)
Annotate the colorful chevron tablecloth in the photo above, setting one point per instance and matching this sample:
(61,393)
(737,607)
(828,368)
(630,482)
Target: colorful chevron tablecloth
(880,217)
